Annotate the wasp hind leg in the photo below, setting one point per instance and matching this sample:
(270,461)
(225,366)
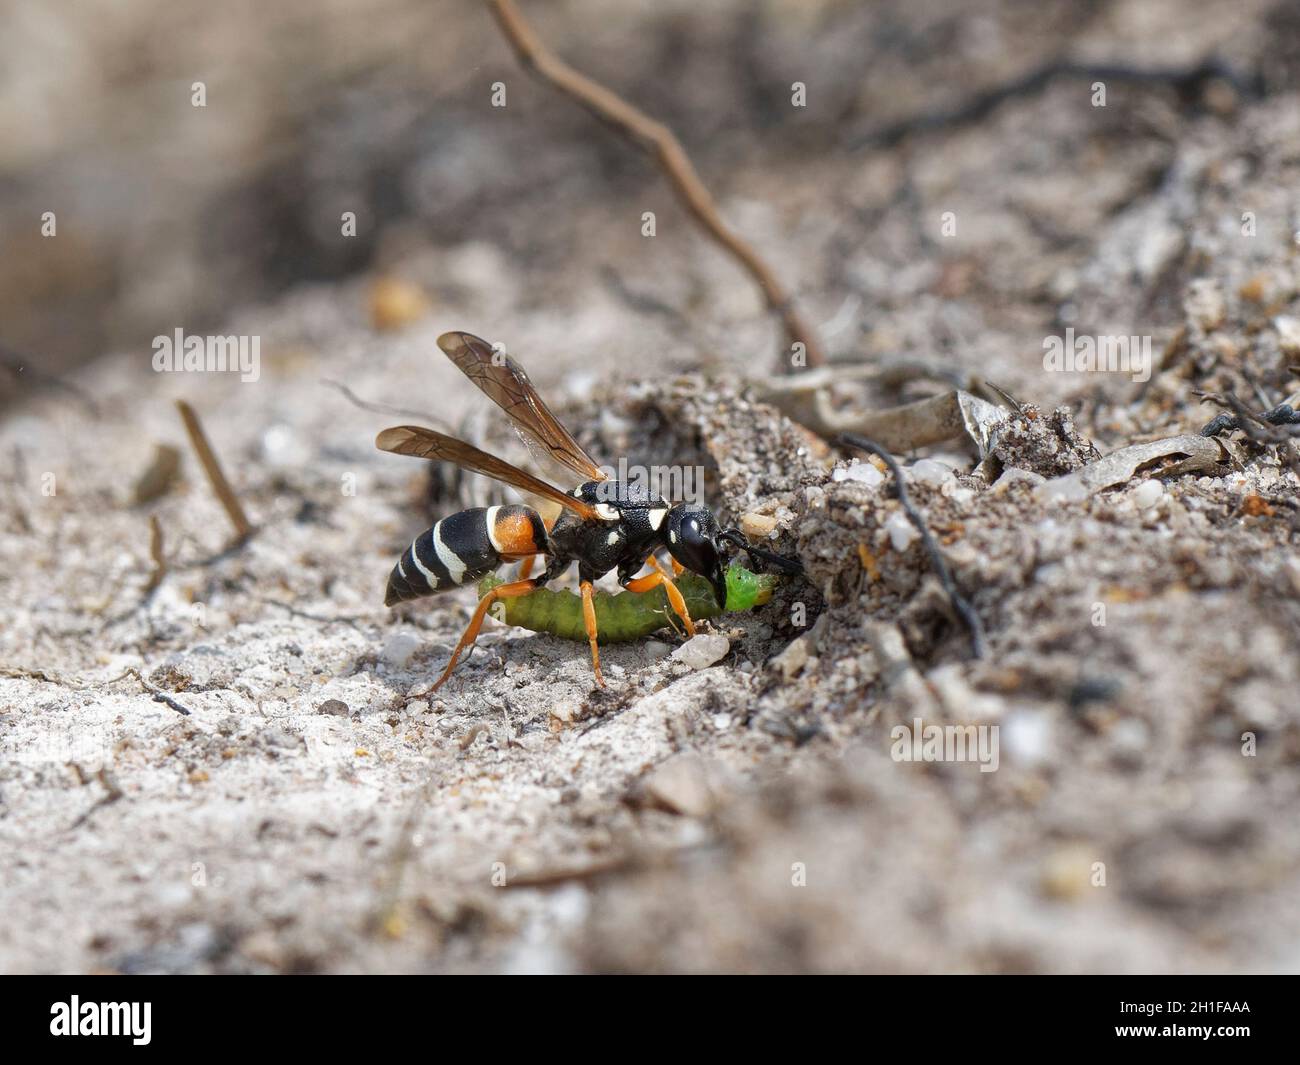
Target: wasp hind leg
(501,591)
(653,580)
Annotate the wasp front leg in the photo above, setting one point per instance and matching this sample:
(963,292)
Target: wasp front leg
(653,580)
(589,622)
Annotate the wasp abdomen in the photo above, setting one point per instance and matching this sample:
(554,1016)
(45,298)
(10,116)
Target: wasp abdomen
(464,547)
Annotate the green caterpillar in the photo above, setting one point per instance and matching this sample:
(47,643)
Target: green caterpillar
(624,616)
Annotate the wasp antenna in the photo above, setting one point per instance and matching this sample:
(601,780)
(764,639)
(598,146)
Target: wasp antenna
(785,564)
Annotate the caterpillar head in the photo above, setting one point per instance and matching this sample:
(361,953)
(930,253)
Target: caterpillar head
(693,539)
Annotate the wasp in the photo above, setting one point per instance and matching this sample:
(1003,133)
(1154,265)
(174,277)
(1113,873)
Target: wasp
(603,524)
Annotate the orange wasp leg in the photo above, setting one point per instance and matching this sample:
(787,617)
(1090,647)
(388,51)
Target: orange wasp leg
(501,591)
(675,600)
(589,619)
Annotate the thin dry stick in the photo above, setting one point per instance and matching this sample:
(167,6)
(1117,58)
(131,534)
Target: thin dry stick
(979,643)
(159,696)
(158,555)
(243,527)
(658,140)
(112,793)
(568,874)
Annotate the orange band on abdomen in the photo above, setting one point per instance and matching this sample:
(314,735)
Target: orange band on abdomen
(513,535)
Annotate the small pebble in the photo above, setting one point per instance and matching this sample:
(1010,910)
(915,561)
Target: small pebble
(1067,874)
(1027,737)
(901,531)
(859,471)
(1288,334)
(1131,736)
(928,471)
(1205,305)
(656,649)
(1013,475)
(794,657)
(395,303)
(679,786)
(700,652)
(399,648)
(757,526)
(282,446)
(1148,494)
(561,716)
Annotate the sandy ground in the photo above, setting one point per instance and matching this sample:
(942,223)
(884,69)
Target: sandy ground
(314,811)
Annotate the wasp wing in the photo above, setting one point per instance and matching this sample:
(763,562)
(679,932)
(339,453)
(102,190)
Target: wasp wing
(427,444)
(504,382)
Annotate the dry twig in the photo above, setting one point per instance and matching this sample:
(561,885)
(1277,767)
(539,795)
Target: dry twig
(243,527)
(37,674)
(157,554)
(548,878)
(112,792)
(659,142)
(159,696)
(380,408)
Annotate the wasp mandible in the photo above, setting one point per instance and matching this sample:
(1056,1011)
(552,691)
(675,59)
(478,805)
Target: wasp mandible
(603,525)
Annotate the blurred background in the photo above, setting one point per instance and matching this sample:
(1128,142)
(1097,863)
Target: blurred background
(173,214)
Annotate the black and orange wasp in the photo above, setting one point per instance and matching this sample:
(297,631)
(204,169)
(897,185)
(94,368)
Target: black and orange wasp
(603,524)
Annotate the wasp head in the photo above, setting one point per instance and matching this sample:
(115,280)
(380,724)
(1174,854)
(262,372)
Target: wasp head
(693,540)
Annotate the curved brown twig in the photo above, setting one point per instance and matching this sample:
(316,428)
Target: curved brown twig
(660,142)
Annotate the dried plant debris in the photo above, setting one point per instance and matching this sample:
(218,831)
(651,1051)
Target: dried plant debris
(811,399)
(1047,445)
(160,476)
(216,475)
(1193,453)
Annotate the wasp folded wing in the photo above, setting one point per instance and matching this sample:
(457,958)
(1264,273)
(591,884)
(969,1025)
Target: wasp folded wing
(424,443)
(504,382)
